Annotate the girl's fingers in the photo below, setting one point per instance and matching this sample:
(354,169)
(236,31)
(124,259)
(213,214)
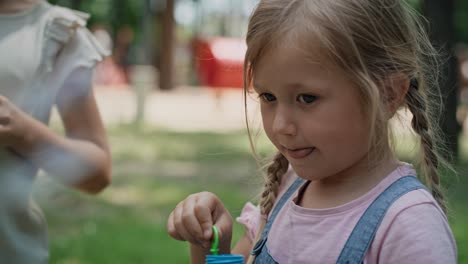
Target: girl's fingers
(224,224)
(5,120)
(190,221)
(182,229)
(218,216)
(171,230)
(204,214)
(209,214)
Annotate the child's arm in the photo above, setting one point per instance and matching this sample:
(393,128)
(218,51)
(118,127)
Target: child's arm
(83,125)
(243,246)
(81,158)
(192,220)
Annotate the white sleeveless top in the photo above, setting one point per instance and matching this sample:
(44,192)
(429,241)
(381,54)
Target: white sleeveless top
(39,50)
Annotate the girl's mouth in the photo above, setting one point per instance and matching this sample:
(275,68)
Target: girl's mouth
(299,153)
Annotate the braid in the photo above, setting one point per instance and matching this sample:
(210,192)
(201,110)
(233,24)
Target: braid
(420,123)
(275,172)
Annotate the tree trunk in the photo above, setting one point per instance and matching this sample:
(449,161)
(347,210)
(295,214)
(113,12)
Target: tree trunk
(440,15)
(166,67)
(117,12)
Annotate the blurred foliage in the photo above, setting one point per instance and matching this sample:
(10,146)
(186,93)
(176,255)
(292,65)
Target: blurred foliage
(117,13)
(112,14)
(461,20)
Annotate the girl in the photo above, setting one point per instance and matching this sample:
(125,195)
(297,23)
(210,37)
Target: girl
(330,75)
(47,57)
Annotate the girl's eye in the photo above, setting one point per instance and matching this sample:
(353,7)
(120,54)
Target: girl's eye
(306,98)
(267,97)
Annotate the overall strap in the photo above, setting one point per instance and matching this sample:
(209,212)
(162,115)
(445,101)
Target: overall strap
(292,189)
(361,237)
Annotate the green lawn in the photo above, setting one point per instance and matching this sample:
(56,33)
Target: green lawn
(152,171)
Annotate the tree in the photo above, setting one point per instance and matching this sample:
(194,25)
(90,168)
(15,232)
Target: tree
(166,65)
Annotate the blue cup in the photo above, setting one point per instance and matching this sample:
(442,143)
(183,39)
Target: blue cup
(225,259)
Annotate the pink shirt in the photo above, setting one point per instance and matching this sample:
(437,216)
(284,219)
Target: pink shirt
(414,229)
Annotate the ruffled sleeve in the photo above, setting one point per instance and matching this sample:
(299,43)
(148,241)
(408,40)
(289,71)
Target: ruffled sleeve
(67,54)
(67,38)
(250,218)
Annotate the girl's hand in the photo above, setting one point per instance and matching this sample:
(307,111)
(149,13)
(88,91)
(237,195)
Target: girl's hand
(13,123)
(193,218)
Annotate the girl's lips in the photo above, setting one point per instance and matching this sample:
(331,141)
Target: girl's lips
(299,153)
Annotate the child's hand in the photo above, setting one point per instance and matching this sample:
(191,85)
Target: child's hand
(13,123)
(193,218)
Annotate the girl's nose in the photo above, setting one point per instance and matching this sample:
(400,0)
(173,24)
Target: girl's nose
(283,122)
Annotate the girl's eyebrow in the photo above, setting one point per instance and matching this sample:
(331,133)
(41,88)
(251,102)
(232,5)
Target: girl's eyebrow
(311,87)
(293,86)
(257,86)
(289,85)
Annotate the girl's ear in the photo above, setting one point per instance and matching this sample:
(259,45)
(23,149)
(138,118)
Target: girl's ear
(395,89)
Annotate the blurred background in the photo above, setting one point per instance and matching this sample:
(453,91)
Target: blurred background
(171,98)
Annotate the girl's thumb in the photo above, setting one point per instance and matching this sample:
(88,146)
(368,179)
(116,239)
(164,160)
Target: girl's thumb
(207,214)
(208,232)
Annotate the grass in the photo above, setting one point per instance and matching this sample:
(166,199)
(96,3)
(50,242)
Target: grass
(152,171)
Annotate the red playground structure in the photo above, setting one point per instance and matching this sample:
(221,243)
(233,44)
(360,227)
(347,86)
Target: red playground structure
(220,61)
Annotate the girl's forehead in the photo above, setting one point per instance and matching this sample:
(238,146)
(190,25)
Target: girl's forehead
(287,67)
(289,55)
(306,43)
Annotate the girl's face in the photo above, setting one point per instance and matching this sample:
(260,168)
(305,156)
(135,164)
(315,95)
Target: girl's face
(312,113)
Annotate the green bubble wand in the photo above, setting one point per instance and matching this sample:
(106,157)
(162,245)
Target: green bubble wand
(215,258)
(215,243)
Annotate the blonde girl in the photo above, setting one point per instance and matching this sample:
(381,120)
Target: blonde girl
(47,56)
(330,75)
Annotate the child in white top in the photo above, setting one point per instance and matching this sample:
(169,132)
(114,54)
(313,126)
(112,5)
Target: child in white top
(330,75)
(47,56)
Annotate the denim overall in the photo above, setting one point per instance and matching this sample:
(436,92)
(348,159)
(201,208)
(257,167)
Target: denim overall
(363,233)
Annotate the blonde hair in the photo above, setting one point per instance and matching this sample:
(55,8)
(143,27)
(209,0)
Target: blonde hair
(371,40)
